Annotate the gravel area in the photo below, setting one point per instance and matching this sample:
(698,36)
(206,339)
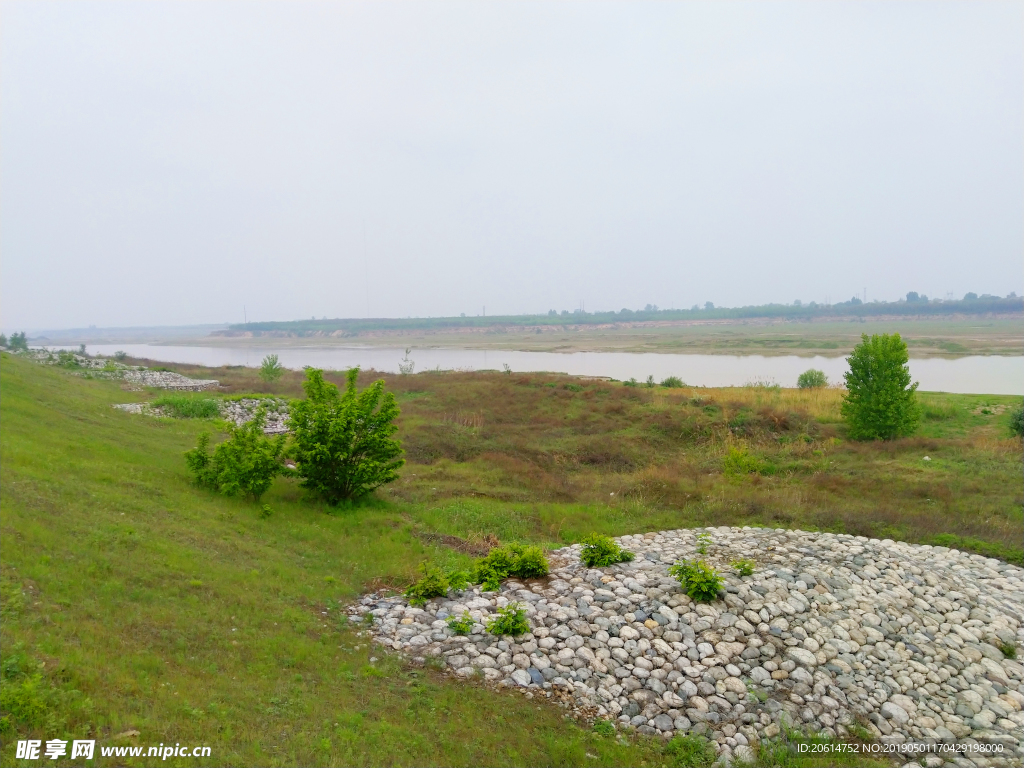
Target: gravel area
(829,631)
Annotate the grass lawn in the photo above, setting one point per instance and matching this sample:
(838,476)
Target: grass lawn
(133,602)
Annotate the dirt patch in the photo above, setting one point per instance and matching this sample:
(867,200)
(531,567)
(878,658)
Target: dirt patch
(476,547)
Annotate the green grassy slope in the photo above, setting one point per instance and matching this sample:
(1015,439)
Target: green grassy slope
(132,602)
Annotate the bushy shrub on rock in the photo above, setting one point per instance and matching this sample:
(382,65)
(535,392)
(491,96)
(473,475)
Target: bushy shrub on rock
(600,552)
(510,620)
(524,562)
(698,579)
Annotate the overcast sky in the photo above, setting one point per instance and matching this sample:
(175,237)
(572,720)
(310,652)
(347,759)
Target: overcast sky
(175,163)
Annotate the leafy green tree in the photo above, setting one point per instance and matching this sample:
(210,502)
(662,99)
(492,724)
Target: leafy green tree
(271,369)
(880,403)
(3,339)
(343,444)
(18,342)
(812,378)
(246,463)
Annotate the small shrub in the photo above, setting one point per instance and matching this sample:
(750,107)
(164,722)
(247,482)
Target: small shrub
(574,387)
(812,378)
(245,463)
(67,359)
(510,620)
(738,462)
(433,584)
(525,562)
(120,355)
(703,542)
(266,511)
(698,579)
(690,751)
(631,383)
(743,566)
(458,580)
(673,382)
(185,407)
(1009,650)
(1017,421)
(461,625)
(601,551)
(604,728)
(650,382)
(271,369)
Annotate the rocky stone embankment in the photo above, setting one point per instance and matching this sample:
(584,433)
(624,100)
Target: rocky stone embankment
(108,368)
(829,632)
(168,380)
(238,412)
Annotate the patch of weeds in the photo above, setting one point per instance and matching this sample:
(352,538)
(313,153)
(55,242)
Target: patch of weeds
(1009,650)
(266,511)
(574,387)
(703,542)
(690,752)
(743,566)
(604,728)
(433,584)
(739,462)
(525,562)
(698,579)
(510,620)
(461,625)
(601,551)
(185,407)
(67,359)
(673,382)
(29,701)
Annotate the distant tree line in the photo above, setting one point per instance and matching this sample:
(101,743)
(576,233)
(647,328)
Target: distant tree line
(913,304)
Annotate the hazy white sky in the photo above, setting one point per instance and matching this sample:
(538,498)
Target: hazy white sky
(170,163)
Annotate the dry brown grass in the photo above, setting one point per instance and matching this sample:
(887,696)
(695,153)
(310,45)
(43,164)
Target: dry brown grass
(643,458)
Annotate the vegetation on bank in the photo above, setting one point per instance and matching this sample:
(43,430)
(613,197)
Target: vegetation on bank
(134,602)
(913,305)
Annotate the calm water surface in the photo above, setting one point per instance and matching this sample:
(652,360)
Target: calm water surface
(988,375)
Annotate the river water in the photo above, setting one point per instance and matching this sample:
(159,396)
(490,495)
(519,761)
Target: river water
(979,374)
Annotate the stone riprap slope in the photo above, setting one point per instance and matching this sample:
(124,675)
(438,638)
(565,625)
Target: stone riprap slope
(238,412)
(108,368)
(168,380)
(830,630)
